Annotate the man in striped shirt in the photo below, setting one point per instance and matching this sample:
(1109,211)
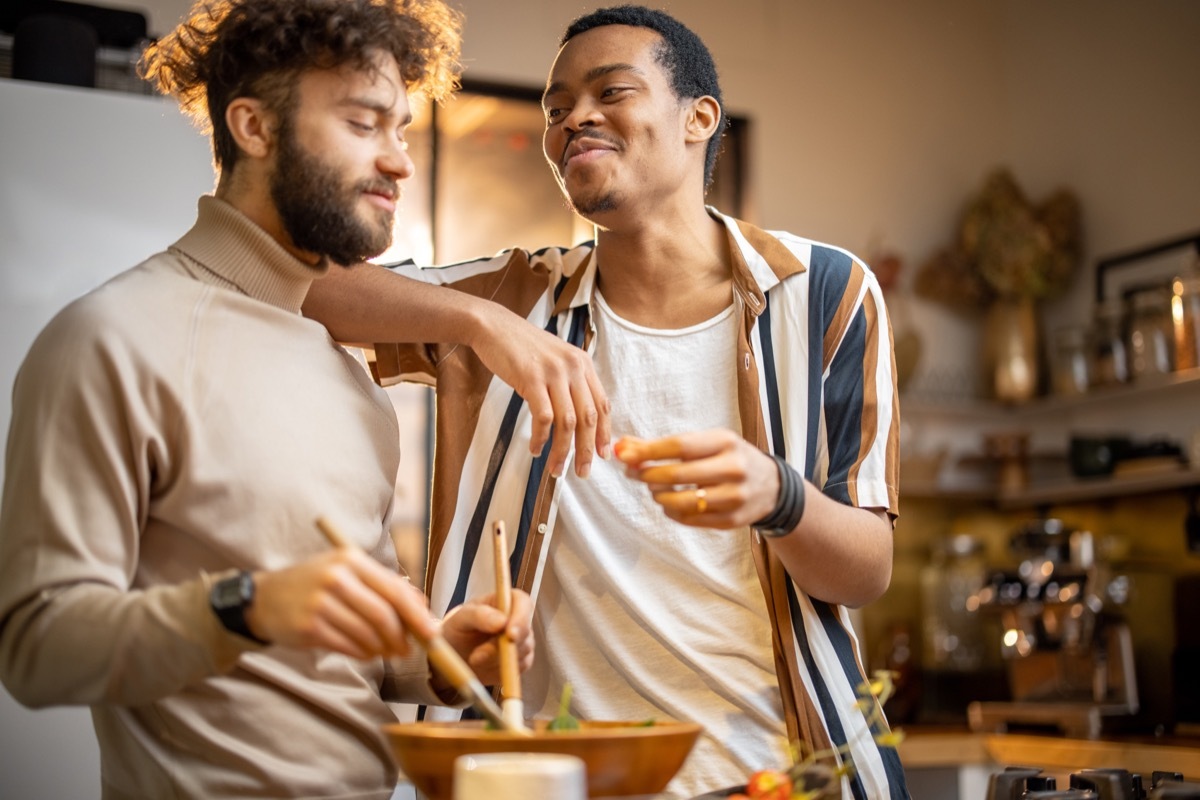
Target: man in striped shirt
(706,572)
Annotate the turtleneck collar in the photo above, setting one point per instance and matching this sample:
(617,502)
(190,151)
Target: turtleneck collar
(225,242)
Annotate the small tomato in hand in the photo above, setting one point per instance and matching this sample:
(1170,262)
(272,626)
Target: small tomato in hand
(769,784)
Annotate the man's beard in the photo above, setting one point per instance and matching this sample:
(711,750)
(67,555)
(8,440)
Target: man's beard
(588,207)
(318,209)
(597,203)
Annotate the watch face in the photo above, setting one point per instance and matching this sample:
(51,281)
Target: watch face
(229,600)
(230,592)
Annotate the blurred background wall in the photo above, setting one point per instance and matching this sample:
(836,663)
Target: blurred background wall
(874,121)
(871,124)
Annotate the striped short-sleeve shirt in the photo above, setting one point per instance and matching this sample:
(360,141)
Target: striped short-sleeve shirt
(816,385)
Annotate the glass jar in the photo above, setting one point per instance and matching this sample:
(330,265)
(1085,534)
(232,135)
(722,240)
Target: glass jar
(1071,362)
(952,633)
(1150,333)
(1110,359)
(1185,318)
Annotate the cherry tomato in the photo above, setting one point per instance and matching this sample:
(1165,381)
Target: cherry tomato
(769,784)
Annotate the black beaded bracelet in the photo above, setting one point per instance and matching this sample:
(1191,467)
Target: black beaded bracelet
(789,508)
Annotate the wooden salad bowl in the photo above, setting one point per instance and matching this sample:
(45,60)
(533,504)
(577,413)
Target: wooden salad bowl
(622,758)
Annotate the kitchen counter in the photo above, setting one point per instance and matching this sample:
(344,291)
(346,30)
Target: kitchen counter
(933,747)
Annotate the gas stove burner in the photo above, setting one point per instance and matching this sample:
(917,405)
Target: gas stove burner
(1028,783)
(1117,784)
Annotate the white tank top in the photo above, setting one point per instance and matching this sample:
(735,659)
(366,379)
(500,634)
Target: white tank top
(646,617)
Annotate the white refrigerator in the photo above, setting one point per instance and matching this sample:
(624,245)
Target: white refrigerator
(91,182)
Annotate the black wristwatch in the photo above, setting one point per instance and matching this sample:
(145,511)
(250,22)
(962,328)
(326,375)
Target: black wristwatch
(229,599)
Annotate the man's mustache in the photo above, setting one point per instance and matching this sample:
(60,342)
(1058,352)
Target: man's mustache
(582,135)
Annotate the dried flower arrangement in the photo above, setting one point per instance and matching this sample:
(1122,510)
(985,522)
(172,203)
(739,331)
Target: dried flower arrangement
(1006,247)
(815,775)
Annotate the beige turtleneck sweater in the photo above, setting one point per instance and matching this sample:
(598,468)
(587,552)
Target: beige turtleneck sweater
(178,422)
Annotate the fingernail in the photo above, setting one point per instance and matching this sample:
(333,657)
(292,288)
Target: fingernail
(585,469)
(605,451)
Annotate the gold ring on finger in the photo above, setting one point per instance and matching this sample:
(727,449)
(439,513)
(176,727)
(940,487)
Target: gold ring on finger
(701,501)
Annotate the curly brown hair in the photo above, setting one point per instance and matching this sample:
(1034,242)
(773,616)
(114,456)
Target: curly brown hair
(258,48)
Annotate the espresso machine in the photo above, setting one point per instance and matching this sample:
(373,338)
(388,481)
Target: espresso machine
(1067,652)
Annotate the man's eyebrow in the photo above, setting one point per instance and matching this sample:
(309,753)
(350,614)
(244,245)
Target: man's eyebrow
(593,74)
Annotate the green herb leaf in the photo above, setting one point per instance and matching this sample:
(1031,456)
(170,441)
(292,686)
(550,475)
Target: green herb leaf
(563,721)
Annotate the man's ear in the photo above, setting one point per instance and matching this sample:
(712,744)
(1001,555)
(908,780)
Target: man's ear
(703,119)
(251,126)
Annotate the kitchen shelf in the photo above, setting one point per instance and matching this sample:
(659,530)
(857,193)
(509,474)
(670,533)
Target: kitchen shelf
(1079,491)
(963,482)
(1056,492)
(1146,387)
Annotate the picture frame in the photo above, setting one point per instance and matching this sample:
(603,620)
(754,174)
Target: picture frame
(1150,266)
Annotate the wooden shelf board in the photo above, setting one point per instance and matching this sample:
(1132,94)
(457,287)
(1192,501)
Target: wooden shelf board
(1075,491)
(1146,387)
(1054,492)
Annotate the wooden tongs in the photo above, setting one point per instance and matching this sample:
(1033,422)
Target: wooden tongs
(510,673)
(441,655)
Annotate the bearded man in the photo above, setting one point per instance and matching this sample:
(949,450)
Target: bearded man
(177,432)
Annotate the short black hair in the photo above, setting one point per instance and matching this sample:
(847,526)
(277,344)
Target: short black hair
(684,55)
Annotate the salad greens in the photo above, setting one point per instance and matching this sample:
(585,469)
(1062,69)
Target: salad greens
(563,721)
